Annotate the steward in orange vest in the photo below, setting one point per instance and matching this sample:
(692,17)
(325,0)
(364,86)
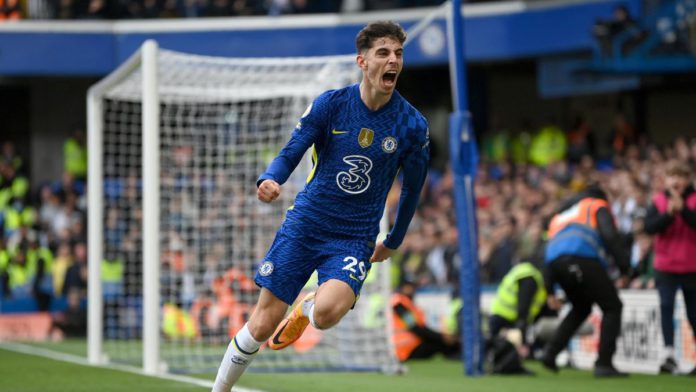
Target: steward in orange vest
(582,240)
(412,338)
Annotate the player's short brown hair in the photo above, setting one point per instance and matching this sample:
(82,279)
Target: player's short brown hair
(380,29)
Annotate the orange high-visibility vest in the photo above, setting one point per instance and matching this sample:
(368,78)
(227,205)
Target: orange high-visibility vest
(404,340)
(583,213)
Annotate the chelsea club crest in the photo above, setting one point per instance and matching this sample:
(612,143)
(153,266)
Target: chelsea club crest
(389,144)
(266,268)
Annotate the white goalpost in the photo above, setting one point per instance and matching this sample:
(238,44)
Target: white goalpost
(176,234)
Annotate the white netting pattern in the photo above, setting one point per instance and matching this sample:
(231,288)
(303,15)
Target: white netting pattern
(222,121)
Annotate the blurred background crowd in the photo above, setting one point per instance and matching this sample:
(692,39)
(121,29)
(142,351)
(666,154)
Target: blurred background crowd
(43,243)
(523,176)
(525,171)
(150,9)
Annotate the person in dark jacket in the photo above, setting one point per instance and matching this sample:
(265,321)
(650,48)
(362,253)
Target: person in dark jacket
(72,322)
(580,236)
(672,219)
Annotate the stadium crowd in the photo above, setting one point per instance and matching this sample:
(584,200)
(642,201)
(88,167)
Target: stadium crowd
(167,9)
(43,242)
(522,178)
(153,9)
(521,181)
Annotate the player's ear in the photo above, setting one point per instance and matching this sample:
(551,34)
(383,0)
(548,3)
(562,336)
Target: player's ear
(361,61)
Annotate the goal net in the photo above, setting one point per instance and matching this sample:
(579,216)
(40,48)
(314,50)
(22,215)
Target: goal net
(217,124)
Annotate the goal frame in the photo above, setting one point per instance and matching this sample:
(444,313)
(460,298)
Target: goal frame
(146,59)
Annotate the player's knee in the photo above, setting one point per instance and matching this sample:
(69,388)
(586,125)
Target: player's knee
(327,317)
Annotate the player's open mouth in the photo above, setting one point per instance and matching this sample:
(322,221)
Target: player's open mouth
(389,78)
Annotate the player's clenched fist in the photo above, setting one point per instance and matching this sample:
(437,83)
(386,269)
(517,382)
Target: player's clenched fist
(381,253)
(268,191)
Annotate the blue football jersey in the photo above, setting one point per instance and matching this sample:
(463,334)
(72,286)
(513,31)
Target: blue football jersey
(357,154)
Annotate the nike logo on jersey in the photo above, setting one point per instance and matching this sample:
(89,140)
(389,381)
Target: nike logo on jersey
(337,132)
(354,278)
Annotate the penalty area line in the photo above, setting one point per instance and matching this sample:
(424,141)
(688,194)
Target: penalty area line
(75,359)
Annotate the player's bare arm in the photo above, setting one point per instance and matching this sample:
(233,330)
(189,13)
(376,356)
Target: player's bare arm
(268,191)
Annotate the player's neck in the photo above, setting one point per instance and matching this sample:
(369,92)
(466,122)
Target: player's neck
(372,99)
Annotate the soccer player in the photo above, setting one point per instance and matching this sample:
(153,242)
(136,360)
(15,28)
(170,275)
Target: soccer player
(361,136)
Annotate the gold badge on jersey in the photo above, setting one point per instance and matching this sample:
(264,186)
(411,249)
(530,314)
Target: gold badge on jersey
(365,138)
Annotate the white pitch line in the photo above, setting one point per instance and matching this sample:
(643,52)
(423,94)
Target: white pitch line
(57,356)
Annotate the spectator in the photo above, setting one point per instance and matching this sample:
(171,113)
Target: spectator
(672,218)
(192,8)
(218,8)
(18,217)
(531,245)
(68,185)
(642,263)
(412,338)
(66,218)
(169,9)
(40,265)
(64,9)
(10,10)
(74,148)
(5,259)
(411,260)
(9,156)
(13,185)
(19,278)
(76,275)
(150,10)
(623,134)
(96,9)
(61,264)
(500,259)
(607,31)
(624,203)
(549,145)
(580,140)
(50,207)
(72,322)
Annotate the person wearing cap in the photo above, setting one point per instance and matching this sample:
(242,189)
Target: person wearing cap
(671,217)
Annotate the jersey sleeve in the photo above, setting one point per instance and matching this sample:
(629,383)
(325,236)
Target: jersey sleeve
(309,130)
(414,167)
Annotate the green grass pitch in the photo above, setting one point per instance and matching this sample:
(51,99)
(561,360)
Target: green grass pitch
(29,373)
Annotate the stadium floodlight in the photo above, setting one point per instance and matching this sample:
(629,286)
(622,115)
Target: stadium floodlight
(176,234)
